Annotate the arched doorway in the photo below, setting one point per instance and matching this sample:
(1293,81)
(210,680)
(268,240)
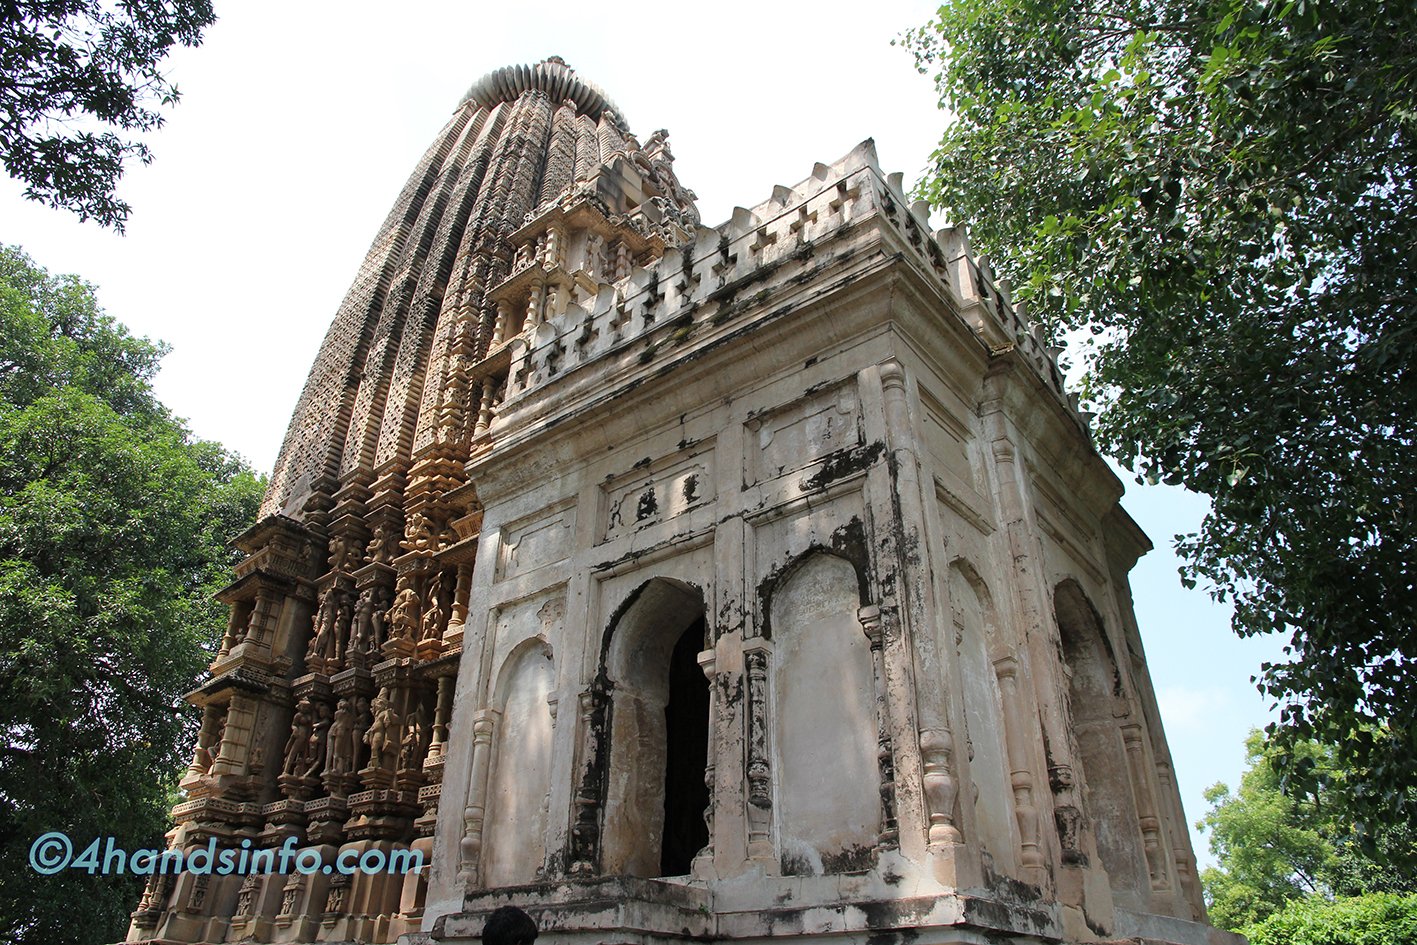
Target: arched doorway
(659,733)
(686,736)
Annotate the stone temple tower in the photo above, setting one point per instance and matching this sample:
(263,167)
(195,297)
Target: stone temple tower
(679,582)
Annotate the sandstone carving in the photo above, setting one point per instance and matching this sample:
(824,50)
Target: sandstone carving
(319,735)
(338,740)
(297,746)
(377,550)
(405,615)
(435,616)
(383,734)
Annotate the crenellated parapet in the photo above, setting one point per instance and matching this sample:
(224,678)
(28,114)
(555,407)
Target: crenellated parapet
(601,297)
(396,376)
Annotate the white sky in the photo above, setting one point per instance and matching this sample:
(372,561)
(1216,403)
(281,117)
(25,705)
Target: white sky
(299,123)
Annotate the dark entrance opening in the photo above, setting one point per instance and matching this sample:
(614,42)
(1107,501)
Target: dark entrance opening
(686,736)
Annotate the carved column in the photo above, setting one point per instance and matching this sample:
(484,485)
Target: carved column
(154,900)
(1020,776)
(585,823)
(870,618)
(1147,820)
(470,849)
(458,620)
(533,306)
(1031,596)
(622,260)
(502,325)
(708,662)
(230,754)
(237,625)
(207,748)
(755,659)
(261,629)
(555,245)
(1180,854)
(484,406)
(442,711)
(938,784)
(941,788)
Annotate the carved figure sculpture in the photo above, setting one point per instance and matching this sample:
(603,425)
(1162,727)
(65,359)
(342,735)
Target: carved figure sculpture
(257,762)
(297,747)
(209,748)
(220,734)
(377,551)
(324,626)
(318,736)
(355,739)
(341,552)
(404,616)
(343,620)
(408,748)
(361,629)
(435,615)
(337,741)
(382,737)
(411,750)
(378,619)
(420,534)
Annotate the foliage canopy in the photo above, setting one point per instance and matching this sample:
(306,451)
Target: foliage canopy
(113,529)
(72,74)
(1378,919)
(1274,848)
(1216,200)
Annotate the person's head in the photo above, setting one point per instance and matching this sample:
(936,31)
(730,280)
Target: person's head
(508,925)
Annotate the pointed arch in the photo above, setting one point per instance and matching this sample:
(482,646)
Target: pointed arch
(848,545)
(514,843)
(824,720)
(976,638)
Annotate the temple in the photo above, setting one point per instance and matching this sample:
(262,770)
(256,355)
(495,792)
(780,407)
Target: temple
(678,582)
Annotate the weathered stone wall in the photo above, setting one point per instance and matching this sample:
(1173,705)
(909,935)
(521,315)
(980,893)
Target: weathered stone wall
(820,427)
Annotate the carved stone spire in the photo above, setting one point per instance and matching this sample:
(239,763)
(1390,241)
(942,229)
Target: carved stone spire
(522,138)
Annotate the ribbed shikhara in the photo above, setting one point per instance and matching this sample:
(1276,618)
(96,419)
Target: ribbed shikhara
(521,138)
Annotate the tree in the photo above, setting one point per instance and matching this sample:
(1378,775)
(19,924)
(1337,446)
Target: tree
(113,530)
(1275,846)
(71,68)
(1379,919)
(1215,201)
